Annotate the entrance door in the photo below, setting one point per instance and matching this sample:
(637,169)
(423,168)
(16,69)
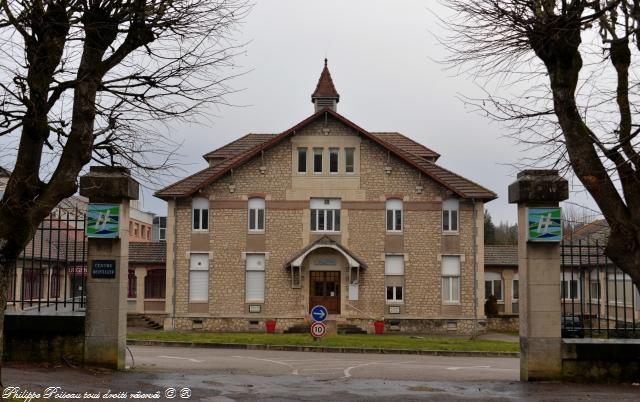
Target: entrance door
(325,290)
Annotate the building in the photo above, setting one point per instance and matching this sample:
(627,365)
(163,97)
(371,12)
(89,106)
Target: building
(159,229)
(140,223)
(501,276)
(325,212)
(147,280)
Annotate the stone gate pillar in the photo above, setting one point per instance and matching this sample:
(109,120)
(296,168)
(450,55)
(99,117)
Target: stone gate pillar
(107,264)
(538,193)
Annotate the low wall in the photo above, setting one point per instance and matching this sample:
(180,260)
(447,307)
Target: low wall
(461,326)
(601,360)
(38,339)
(510,322)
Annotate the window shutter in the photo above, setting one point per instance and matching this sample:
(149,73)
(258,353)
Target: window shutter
(255,286)
(199,278)
(394,265)
(451,265)
(198,286)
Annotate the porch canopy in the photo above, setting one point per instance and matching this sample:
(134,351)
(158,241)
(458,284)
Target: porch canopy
(325,242)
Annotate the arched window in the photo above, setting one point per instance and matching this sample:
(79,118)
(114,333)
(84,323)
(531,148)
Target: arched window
(256,214)
(394,215)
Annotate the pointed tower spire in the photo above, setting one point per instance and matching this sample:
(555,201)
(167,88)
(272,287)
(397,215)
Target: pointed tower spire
(325,94)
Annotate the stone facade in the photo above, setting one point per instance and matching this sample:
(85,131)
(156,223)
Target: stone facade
(378,176)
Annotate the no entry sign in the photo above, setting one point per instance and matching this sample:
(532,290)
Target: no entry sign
(318,329)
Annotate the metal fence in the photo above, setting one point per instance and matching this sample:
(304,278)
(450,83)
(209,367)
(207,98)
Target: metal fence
(598,299)
(50,275)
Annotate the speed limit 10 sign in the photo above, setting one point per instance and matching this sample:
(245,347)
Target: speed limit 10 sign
(318,330)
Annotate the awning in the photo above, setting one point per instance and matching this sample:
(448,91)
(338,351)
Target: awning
(325,242)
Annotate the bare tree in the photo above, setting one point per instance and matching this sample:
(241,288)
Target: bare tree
(569,63)
(84,80)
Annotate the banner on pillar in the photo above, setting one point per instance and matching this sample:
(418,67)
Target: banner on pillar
(545,224)
(103,221)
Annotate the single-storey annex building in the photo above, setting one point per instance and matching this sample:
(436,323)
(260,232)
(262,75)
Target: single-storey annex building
(325,213)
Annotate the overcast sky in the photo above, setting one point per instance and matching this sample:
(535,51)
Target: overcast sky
(383,60)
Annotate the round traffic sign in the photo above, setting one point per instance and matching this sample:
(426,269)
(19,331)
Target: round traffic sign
(318,329)
(319,313)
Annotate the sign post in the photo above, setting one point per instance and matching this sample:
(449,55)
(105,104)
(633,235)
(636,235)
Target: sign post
(318,328)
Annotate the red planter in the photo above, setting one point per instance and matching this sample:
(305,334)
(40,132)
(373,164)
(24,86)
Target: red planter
(378,326)
(271,326)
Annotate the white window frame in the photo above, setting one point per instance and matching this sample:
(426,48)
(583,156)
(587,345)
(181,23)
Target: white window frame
(198,267)
(306,158)
(394,269)
(493,277)
(201,205)
(450,275)
(395,207)
(565,281)
(313,161)
(321,207)
(353,160)
(515,278)
(448,207)
(255,264)
(255,205)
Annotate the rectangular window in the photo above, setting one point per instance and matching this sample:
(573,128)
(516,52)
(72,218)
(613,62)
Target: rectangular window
(394,215)
(255,273)
(317,160)
(516,289)
(493,285)
(594,290)
(302,160)
(199,278)
(162,231)
(451,279)
(569,288)
(394,278)
(349,160)
(256,214)
(450,215)
(200,208)
(333,160)
(325,215)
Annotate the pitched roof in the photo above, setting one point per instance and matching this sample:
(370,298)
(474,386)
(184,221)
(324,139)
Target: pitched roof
(325,87)
(407,144)
(239,146)
(457,184)
(148,253)
(597,230)
(495,255)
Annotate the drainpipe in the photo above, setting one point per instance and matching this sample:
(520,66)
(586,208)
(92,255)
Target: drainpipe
(475,268)
(175,258)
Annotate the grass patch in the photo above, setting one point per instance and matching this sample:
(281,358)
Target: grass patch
(354,341)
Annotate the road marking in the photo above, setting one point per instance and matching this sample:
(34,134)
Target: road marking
(347,371)
(182,358)
(294,371)
(468,367)
(323,368)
